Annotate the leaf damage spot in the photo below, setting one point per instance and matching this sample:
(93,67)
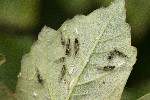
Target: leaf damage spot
(35,94)
(19,75)
(71,83)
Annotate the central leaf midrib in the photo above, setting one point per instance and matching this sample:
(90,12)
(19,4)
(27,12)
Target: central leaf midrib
(85,63)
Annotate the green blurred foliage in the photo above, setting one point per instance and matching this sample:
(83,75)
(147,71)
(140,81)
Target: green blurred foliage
(138,90)
(145,97)
(13,46)
(5,93)
(138,16)
(20,14)
(19,18)
(2,59)
(72,7)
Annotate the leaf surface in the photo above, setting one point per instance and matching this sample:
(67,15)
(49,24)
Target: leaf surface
(97,58)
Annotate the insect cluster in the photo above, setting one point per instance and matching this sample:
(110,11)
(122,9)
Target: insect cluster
(110,57)
(115,52)
(67,45)
(107,68)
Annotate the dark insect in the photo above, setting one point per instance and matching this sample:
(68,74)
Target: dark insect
(62,59)
(39,78)
(103,82)
(68,42)
(76,45)
(62,40)
(63,71)
(68,47)
(67,51)
(107,68)
(111,55)
(120,53)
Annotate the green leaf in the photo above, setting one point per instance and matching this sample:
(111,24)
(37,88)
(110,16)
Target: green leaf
(89,57)
(145,97)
